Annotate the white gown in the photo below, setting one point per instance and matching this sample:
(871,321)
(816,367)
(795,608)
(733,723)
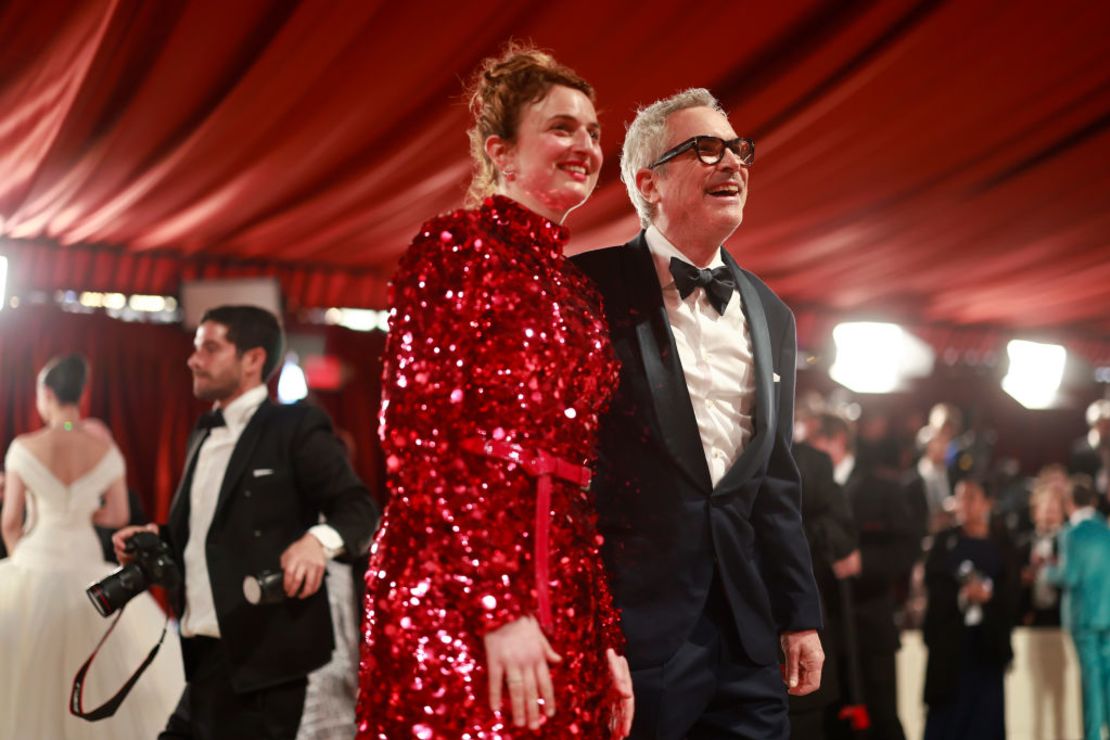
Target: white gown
(48,627)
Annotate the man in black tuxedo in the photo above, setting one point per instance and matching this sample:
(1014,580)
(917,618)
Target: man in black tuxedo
(257,477)
(890,542)
(697,494)
(834,547)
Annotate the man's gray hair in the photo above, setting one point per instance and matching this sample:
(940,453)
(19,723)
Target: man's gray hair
(646,138)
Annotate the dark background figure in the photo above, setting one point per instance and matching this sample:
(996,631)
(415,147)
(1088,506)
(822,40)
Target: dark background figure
(257,477)
(1037,546)
(833,546)
(890,543)
(928,484)
(972,578)
(1090,455)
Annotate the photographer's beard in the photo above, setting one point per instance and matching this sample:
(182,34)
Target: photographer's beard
(217,387)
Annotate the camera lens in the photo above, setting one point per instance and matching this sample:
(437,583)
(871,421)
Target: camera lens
(116,589)
(268,587)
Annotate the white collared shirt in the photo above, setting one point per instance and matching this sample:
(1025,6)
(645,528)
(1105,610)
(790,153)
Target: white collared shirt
(212,461)
(1081,514)
(842,471)
(937,488)
(717,360)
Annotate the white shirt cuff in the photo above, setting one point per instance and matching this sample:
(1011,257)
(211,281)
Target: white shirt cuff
(329,538)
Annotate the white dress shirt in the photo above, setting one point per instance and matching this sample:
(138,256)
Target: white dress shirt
(717,360)
(937,488)
(842,471)
(212,460)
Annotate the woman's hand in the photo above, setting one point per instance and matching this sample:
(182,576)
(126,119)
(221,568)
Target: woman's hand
(624,704)
(517,655)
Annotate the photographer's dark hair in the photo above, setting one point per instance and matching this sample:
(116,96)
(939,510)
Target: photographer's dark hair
(1083,490)
(249,327)
(66,375)
(984,484)
(831,426)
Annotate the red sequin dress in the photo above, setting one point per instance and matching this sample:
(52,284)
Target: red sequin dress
(494,339)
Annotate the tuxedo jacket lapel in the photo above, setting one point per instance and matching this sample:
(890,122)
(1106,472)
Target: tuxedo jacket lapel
(764,421)
(241,455)
(676,424)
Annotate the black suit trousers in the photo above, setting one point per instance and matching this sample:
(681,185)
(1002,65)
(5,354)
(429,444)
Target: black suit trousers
(710,689)
(211,710)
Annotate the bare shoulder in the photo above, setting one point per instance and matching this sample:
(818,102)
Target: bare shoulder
(97,428)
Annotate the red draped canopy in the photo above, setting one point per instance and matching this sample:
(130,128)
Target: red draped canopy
(943,163)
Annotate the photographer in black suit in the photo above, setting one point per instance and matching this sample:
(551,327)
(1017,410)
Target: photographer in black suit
(257,477)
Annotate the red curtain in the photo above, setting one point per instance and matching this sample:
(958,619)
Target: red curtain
(141,388)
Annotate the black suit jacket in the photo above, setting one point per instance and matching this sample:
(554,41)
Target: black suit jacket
(890,533)
(832,536)
(668,531)
(256,518)
(944,629)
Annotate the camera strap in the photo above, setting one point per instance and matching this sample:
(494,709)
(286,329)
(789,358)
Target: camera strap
(108,708)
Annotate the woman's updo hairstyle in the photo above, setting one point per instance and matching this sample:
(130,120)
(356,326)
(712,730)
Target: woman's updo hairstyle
(66,376)
(502,86)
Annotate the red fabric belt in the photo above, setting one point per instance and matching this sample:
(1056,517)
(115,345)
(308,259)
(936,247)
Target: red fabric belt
(541,466)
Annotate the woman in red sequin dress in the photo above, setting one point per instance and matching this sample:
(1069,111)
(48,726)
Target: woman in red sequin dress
(488,614)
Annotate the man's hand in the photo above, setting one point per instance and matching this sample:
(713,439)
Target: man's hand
(624,704)
(977,591)
(848,566)
(517,655)
(119,540)
(303,563)
(804,660)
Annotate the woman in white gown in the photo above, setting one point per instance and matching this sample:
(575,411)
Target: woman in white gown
(61,481)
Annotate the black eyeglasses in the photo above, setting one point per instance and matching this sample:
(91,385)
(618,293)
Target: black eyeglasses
(711,150)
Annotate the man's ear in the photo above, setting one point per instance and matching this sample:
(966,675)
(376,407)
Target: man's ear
(647,184)
(254,359)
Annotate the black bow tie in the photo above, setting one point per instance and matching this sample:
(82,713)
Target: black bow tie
(211,420)
(717,283)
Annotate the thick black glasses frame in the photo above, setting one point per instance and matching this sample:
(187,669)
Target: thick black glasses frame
(733,145)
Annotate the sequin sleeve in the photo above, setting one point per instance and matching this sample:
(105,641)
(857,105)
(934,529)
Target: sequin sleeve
(437,380)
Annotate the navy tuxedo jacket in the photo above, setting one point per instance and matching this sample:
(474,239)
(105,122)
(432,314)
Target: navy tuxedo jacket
(668,531)
(287,467)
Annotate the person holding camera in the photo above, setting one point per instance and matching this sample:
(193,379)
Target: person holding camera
(972,577)
(62,480)
(257,477)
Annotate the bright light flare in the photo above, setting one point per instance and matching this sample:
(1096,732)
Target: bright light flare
(1035,374)
(3,281)
(875,357)
(358,319)
(292,386)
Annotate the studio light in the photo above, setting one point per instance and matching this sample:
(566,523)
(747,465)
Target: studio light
(1036,371)
(358,319)
(875,357)
(3,281)
(291,383)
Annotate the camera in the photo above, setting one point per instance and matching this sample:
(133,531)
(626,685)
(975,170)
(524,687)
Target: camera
(153,565)
(967,573)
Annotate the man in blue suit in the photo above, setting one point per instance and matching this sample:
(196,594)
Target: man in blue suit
(1082,572)
(697,492)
